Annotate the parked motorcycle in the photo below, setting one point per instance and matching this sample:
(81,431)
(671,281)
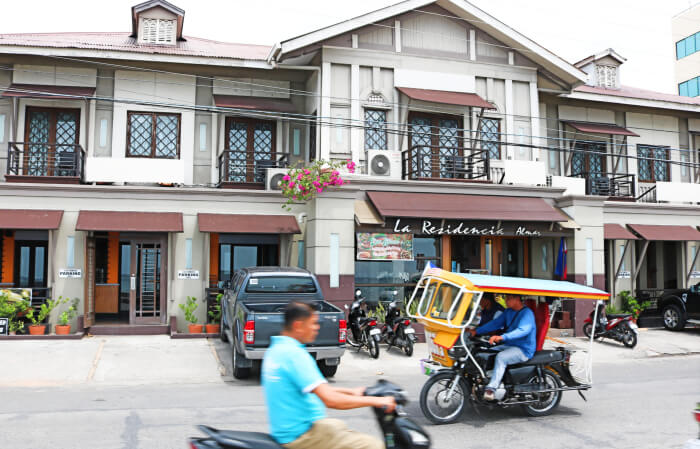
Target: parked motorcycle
(536,385)
(364,332)
(400,432)
(621,327)
(397,330)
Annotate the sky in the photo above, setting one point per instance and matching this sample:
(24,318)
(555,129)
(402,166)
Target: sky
(639,30)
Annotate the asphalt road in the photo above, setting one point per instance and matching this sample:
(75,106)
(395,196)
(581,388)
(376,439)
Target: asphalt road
(635,404)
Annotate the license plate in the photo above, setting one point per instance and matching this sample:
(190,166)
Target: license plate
(432,347)
(374,332)
(409,331)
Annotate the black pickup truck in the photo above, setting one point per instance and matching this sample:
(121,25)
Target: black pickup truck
(681,306)
(253,311)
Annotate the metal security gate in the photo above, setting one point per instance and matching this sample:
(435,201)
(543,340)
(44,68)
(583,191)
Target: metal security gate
(147,290)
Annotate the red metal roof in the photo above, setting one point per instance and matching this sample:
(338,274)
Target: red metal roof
(98,220)
(601,128)
(248,224)
(263,104)
(30,219)
(463,207)
(40,91)
(192,46)
(613,231)
(642,94)
(668,233)
(446,97)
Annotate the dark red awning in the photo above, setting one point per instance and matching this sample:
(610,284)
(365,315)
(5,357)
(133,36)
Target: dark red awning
(446,97)
(256,103)
(463,207)
(601,128)
(248,224)
(613,231)
(30,219)
(668,233)
(40,91)
(98,220)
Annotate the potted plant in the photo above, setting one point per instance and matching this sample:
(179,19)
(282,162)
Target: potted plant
(302,184)
(631,305)
(214,326)
(36,328)
(63,328)
(16,326)
(188,308)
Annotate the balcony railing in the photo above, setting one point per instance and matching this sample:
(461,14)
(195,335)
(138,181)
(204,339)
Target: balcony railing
(446,163)
(236,172)
(45,162)
(609,184)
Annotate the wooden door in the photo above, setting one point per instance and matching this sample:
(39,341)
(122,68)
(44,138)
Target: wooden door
(89,313)
(147,298)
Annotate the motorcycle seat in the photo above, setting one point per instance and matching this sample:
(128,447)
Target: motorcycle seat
(543,358)
(247,440)
(617,315)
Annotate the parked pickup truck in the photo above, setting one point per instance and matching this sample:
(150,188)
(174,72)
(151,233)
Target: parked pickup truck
(680,307)
(253,311)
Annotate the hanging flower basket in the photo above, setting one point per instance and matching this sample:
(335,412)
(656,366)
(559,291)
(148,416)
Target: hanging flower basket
(302,184)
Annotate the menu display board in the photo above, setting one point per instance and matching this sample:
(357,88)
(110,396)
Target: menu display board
(381,246)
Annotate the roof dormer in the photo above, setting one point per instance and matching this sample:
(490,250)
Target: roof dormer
(157,22)
(603,69)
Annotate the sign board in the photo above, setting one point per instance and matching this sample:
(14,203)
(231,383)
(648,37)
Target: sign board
(4,326)
(72,273)
(17,294)
(464,228)
(695,274)
(381,246)
(188,274)
(624,275)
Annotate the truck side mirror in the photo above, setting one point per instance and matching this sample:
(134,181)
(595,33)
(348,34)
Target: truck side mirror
(346,307)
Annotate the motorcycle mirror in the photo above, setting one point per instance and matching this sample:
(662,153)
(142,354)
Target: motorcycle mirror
(358,292)
(346,307)
(396,292)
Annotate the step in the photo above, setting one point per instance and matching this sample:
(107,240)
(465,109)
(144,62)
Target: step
(696,322)
(129,329)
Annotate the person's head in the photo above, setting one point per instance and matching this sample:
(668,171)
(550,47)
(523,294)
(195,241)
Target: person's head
(300,322)
(487,301)
(514,302)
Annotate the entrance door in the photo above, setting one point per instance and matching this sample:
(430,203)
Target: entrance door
(51,136)
(31,263)
(147,297)
(509,256)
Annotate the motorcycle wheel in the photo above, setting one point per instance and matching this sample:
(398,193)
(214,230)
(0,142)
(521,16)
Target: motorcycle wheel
(546,402)
(408,347)
(587,331)
(629,338)
(434,403)
(373,348)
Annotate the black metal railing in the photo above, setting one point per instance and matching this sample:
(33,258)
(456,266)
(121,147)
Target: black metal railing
(234,168)
(45,160)
(647,193)
(609,184)
(429,162)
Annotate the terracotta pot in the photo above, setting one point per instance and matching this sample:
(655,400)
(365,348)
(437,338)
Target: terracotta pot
(195,328)
(697,415)
(37,329)
(213,328)
(62,330)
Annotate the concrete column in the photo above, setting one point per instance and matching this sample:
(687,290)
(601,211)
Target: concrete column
(355,113)
(510,123)
(535,120)
(324,152)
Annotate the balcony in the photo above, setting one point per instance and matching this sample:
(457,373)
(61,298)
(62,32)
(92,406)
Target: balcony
(446,163)
(45,163)
(614,185)
(235,172)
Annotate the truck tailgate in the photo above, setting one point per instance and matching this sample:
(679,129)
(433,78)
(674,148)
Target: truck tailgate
(269,324)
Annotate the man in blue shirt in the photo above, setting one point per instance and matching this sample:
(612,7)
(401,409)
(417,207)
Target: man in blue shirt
(297,394)
(518,321)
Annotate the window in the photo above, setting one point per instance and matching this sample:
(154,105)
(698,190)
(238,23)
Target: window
(435,146)
(158,31)
(653,165)
(607,76)
(153,135)
(375,130)
(250,149)
(690,88)
(490,130)
(688,46)
(281,284)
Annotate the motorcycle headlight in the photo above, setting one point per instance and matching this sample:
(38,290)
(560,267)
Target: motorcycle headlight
(418,438)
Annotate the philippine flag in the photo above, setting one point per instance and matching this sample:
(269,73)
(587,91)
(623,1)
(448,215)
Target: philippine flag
(560,269)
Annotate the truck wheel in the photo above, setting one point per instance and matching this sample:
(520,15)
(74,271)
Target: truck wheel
(673,318)
(327,370)
(238,371)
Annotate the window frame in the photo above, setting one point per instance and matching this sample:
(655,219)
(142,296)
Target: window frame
(694,38)
(498,132)
(435,135)
(154,116)
(250,142)
(378,130)
(652,171)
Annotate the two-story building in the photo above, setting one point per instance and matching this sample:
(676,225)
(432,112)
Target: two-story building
(141,167)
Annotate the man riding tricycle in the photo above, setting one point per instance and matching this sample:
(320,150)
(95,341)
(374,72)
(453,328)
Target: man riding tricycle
(504,368)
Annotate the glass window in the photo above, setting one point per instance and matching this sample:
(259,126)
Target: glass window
(693,87)
(690,45)
(281,284)
(656,168)
(683,89)
(375,130)
(491,137)
(244,256)
(153,135)
(680,49)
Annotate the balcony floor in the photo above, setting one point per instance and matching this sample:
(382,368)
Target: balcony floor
(43,179)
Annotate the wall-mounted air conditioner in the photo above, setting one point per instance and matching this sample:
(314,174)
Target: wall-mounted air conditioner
(273,176)
(383,163)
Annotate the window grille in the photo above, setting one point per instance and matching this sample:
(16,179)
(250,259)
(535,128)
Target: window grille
(375,130)
(491,137)
(653,170)
(153,135)
(607,76)
(158,31)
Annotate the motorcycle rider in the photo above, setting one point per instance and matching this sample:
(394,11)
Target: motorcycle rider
(490,308)
(297,394)
(518,321)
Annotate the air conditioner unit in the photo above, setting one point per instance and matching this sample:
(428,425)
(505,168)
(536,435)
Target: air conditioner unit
(273,176)
(383,163)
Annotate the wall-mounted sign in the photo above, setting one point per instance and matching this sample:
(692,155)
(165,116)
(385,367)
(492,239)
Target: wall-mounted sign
(4,325)
(73,273)
(188,274)
(624,275)
(380,246)
(451,227)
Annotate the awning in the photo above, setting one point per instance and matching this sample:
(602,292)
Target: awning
(600,128)
(30,219)
(366,215)
(613,231)
(40,91)
(446,97)
(248,224)
(464,207)
(257,103)
(668,233)
(97,220)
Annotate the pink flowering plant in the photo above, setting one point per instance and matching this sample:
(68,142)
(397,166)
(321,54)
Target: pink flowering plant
(302,184)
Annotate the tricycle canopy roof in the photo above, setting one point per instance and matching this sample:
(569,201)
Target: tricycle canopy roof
(533,287)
